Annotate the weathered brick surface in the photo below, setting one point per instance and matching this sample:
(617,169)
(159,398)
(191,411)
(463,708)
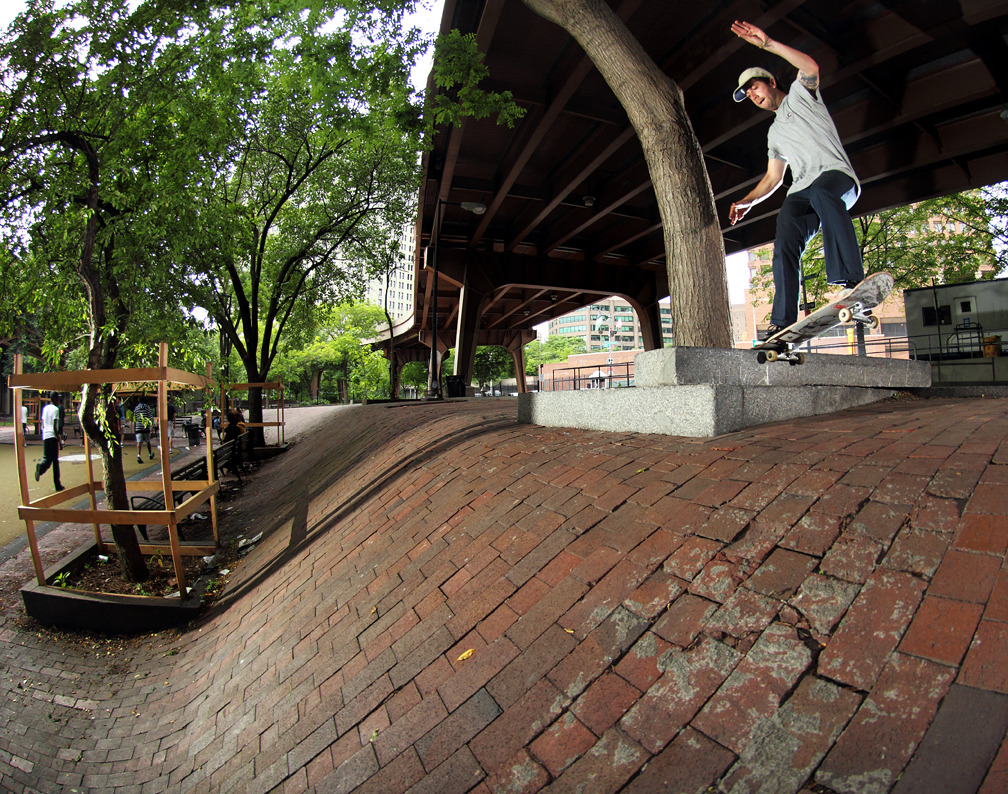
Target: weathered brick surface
(872,628)
(786,747)
(960,744)
(887,728)
(822,603)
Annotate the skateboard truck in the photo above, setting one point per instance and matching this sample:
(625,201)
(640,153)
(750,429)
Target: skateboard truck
(860,314)
(790,356)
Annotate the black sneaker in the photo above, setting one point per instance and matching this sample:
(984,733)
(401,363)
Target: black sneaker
(37,473)
(139,459)
(60,488)
(770,330)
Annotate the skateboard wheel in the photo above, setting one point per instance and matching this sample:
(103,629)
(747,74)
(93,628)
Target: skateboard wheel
(771,355)
(844,315)
(800,359)
(874,322)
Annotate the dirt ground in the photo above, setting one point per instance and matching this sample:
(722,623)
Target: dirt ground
(16,566)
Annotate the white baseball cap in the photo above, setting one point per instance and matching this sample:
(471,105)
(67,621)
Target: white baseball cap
(744,78)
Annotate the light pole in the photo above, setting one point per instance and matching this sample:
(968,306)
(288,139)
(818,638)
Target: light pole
(433,381)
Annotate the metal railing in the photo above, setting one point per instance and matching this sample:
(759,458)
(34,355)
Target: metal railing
(606,376)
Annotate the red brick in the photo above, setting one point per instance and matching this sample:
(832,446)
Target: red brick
(842,500)
(941,629)
(900,489)
(555,602)
(684,619)
(813,534)
(604,702)
(566,741)
(599,602)
(755,544)
(965,576)
(690,763)
(988,498)
(983,533)
(596,565)
(443,739)
(557,568)
(520,774)
(872,628)
(984,666)
(642,664)
(744,613)
(528,596)
(916,552)
(608,765)
(887,728)
(690,558)
(475,672)
(997,604)
(725,524)
(789,745)
(996,781)
(853,557)
(717,581)
(531,665)
(786,509)
(776,661)
(782,573)
(596,652)
(934,514)
(655,594)
(879,521)
(518,725)
(691,676)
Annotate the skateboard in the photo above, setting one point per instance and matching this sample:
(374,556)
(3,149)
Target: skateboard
(853,306)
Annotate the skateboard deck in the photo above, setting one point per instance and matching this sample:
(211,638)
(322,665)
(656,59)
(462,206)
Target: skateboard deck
(850,307)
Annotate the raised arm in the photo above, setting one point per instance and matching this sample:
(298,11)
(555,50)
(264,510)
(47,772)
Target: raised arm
(808,69)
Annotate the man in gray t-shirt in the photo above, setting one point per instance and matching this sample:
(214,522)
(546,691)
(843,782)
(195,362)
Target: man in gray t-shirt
(824,185)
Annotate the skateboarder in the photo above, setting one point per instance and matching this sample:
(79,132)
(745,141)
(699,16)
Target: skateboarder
(824,185)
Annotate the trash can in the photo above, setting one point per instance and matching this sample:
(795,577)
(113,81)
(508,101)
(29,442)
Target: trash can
(454,385)
(992,346)
(192,432)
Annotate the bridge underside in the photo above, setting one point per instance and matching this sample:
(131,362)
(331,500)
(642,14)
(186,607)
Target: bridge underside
(918,91)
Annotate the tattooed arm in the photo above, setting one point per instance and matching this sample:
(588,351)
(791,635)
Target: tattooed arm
(808,69)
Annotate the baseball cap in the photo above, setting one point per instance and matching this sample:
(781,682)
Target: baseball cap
(745,77)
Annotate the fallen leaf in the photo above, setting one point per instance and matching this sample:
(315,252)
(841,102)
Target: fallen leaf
(467,654)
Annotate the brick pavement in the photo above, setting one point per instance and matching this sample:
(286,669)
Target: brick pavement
(445,600)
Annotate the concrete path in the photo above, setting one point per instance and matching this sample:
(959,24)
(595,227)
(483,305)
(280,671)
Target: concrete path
(447,601)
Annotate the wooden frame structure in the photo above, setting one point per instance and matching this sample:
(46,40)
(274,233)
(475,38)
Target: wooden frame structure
(50,508)
(273,386)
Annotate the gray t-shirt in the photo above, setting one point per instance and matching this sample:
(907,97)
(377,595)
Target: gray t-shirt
(804,136)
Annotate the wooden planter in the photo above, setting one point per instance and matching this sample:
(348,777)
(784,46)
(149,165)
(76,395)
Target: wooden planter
(60,606)
(67,608)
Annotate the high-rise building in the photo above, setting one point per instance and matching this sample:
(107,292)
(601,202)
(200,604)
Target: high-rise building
(400,285)
(608,326)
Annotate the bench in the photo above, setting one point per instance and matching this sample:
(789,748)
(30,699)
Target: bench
(196,470)
(228,457)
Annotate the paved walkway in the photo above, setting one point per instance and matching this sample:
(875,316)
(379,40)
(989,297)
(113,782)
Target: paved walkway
(445,600)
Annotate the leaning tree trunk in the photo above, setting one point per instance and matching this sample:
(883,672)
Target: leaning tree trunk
(694,247)
(102,354)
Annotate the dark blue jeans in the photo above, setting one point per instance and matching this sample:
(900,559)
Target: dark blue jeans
(823,203)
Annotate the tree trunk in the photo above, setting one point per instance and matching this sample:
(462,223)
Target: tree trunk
(103,352)
(694,247)
(95,403)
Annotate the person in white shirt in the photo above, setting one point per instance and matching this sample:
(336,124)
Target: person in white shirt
(50,441)
(24,419)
